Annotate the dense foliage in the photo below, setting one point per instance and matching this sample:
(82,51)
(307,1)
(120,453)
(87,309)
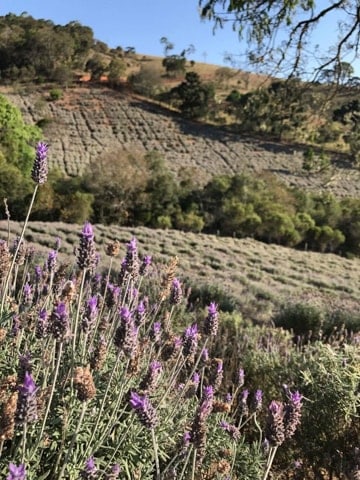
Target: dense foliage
(131,189)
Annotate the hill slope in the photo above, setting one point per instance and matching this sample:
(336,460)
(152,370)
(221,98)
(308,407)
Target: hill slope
(257,277)
(89,121)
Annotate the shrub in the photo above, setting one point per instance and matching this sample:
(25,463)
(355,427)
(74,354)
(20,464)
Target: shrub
(55,94)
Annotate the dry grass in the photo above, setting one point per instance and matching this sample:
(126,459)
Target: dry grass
(258,276)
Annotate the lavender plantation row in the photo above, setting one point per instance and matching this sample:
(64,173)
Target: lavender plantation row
(106,375)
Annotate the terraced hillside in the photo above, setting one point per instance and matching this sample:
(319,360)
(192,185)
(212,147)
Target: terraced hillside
(256,277)
(89,121)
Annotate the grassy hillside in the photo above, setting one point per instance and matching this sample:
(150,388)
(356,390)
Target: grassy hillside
(91,120)
(254,277)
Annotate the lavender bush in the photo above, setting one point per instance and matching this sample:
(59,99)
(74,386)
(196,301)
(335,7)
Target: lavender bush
(98,380)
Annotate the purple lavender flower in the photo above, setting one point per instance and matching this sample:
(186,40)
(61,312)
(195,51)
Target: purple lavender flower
(39,171)
(275,430)
(24,366)
(145,411)
(27,294)
(292,413)
(190,341)
(42,324)
(86,254)
(175,292)
(89,317)
(51,261)
(155,332)
(90,471)
(38,273)
(26,410)
(114,472)
(205,354)
(145,265)
(232,430)
(16,472)
(258,399)
(212,320)
(140,313)
(186,439)
(132,259)
(125,338)
(208,392)
(60,322)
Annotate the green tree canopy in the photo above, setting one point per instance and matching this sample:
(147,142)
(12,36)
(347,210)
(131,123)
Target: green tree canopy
(17,139)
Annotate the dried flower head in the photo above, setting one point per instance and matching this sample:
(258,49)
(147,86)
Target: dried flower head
(98,356)
(168,278)
(84,384)
(7,418)
(39,171)
(149,382)
(113,248)
(4,259)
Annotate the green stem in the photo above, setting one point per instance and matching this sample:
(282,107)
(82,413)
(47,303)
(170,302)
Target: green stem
(193,465)
(75,327)
(271,457)
(70,449)
(185,463)
(8,276)
(156,454)
(57,367)
(99,415)
(23,447)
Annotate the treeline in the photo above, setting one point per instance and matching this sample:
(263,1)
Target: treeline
(132,189)
(39,50)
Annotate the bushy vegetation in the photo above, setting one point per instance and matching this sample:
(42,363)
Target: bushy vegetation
(133,189)
(109,374)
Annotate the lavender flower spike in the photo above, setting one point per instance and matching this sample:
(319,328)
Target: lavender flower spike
(16,472)
(26,409)
(90,470)
(145,411)
(39,171)
(212,320)
(86,254)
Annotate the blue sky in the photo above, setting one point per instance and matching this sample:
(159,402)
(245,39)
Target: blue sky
(139,24)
